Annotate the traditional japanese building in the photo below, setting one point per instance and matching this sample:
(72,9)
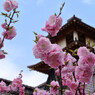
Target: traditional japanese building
(72,35)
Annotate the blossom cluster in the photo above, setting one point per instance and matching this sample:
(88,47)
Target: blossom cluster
(53,89)
(84,70)
(53,24)
(9,32)
(14,87)
(10,5)
(75,73)
(50,53)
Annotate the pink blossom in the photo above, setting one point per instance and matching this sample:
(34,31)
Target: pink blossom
(40,92)
(44,45)
(4,25)
(54,58)
(83,51)
(69,92)
(68,79)
(13,87)
(51,54)
(39,36)
(54,89)
(36,53)
(8,88)
(10,34)
(21,91)
(9,5)
(90,59)
(1,42)
(57,71)
(15,4)
(2,55)
(18,82)
(73,85)
(68,62)
(84,73)
(2,86)
(53,25)
(43,92)
(64,70)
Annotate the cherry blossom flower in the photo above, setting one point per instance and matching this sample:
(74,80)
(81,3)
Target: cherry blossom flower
(10,34)
(9,5)
(53,24)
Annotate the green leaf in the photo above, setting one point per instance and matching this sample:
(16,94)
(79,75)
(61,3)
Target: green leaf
(61,8)
(17,15)
(35,90)
(49,85)
(71,50)
(75,54)
(15,21)
(93,45)
(4,52)
(55,14)
(74,64)
(17,11)
(88,42)
(10,28)
(4,14)
(6,20)
(35,41)
(63,90)
(9,14)
(75,50)
(35,33)
(66,62)
(63,4)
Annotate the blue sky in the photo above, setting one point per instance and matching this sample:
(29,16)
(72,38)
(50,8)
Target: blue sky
(33,15)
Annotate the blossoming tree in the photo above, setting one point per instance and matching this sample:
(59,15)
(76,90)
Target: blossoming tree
(73,74)
(9,32)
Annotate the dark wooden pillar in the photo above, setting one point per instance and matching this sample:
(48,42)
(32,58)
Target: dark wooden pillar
(51,77)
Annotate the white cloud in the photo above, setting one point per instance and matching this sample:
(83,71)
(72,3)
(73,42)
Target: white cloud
(9,69)
(88,1)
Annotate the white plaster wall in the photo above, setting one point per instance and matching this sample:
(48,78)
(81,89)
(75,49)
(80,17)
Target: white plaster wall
(75,35)
(62,43)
